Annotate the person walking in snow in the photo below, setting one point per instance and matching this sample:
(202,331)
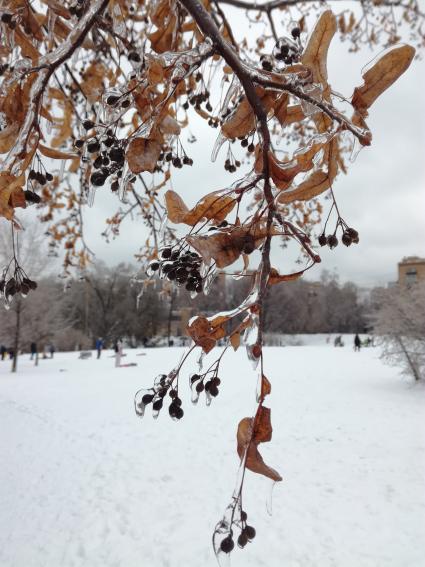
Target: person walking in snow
(33,348)
(357,343)
(118,353)
(3,352)
(99,346)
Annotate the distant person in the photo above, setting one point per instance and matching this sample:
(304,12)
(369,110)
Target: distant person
(11,354)
(3,351)
(118,352)
(99,346)
(51,350)
(357,343)
(33,349)
(145,342)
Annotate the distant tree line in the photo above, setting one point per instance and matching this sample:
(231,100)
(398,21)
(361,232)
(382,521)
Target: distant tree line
(113,302)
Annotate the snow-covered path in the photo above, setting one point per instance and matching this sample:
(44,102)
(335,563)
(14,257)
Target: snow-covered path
(84,483)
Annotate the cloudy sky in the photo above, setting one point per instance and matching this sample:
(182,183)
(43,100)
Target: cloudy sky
(383,195)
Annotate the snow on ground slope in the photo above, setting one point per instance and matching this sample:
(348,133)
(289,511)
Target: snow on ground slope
(84,483)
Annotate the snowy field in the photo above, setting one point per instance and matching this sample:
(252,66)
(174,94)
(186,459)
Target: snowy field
(85,483)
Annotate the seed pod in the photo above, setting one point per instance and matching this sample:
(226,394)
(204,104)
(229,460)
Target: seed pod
(250,532)
(227,544)
(147,398)
(346,239)
(323,239)
(242,539)
(332,241)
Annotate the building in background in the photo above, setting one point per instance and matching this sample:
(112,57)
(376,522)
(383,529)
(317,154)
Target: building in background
(411,270)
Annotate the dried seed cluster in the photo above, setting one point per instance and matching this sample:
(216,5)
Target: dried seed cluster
(156,395)
(15,281)
(349,236)
(179,265)
(247,532)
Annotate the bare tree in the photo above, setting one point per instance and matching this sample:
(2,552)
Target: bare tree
(400,323)
(28,318)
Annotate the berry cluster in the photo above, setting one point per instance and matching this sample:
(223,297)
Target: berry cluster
(156,395)
(107,153)
(247,533)
(248,145)
(287,50)
(15,281)
(349,236)
(201,383)
(179,265)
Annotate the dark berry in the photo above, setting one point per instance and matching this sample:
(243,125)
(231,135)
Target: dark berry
(87,124)
(112,99)
(250,532)
(154,266)
(79,143)
(323,239)
(332,241)
(93,147)
(31,197)
(98,178)
(242,539)
(147,398)
(346,239)
(166,253)
(227,544)
(295,32)
(200,387)
(157,405)
(115,186)
(134,56)
(117,154)
(244,516)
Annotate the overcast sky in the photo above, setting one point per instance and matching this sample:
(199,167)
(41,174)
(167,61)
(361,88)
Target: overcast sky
(383,195)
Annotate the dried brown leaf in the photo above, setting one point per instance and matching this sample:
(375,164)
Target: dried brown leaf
(56,154)
(250,433)
(382,75)
(143,154)
(316,52)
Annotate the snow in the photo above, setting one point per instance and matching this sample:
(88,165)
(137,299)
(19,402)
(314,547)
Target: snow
(84,482)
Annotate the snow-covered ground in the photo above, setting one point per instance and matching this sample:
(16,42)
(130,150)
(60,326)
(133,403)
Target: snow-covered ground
(84,483)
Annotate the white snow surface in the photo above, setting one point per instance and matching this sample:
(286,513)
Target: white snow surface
(85,483)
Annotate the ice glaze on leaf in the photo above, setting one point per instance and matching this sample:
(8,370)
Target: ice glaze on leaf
(214,206)
(382,75)
(316,52)
(142,155)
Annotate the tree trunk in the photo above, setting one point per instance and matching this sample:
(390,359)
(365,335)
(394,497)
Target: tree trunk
(410,362)
(170,314)
(17,336)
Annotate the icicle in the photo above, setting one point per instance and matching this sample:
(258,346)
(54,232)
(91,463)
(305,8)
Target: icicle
(314,91)
(209,280)
(218,143)
(232,90)
(269,499)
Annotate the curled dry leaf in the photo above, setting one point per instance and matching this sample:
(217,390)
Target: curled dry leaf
(204,334)
(251,432)
(10,185)
(226,245)
(143,154)
(318,181)
(284,172)
(242,121)
(382,75)
(275,277)
(56,154)
(214,206)
(266,387)
(316,52)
